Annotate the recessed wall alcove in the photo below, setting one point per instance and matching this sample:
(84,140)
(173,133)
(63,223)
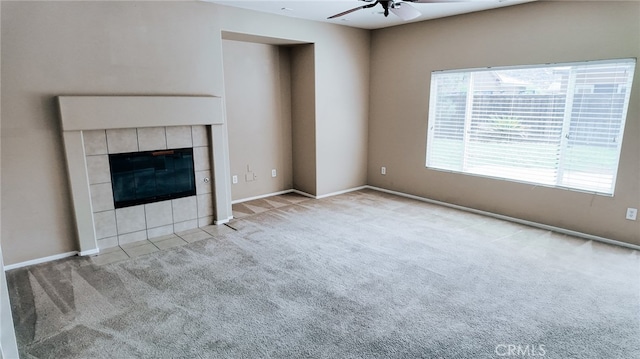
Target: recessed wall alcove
(270,108)
(130,124)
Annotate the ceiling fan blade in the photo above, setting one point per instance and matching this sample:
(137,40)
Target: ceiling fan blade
(346,12)
(406,12)
(352,10)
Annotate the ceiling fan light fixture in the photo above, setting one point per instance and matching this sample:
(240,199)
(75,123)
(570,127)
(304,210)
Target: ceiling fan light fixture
(401,8)
(406,12)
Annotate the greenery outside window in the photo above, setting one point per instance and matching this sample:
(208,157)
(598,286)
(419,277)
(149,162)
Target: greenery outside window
(557,125)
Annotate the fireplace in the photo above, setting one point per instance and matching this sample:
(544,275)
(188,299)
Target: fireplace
(148,182)
(144,166)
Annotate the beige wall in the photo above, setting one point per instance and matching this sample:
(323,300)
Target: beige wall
(130,48)
(303,112)
(341,128)
(258,103)
(541,32)
(341,61)
(8,344)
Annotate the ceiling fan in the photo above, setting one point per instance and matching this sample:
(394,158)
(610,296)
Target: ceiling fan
(400,8)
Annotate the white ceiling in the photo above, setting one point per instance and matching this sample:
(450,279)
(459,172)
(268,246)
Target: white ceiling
(319,10)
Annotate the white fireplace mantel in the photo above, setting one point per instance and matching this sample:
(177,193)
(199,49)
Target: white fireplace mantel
(84,113)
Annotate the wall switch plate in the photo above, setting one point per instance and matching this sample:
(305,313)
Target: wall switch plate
(250,177)
(234,179)
(383,170)
(273,173)
(632,214)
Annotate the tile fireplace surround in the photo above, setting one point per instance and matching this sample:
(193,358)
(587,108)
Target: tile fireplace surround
(135,223)
(96,126)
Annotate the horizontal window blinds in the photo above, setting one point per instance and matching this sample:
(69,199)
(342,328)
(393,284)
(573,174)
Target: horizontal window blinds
(557,125)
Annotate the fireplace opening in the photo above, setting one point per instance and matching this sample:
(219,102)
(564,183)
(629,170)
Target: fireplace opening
(152,176)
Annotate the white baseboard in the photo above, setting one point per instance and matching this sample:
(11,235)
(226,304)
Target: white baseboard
(511,219)
(90,252)
(262,196)
(303,193)
(40,260)
(223,221)
(300,193)
(401,194)
(341,192)
(329,194)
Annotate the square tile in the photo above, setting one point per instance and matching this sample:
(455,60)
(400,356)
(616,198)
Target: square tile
(98,169)
(200,135)
(205,221)
(159,231)
(107,243)
(217,230)
(101,197)
(130,219)
(116,248)
(163,238)
(201,159)
(134,244)
(171,242)
(179,137)
(152,138)
(105,224)
(108,258)
(131,238)
(194,235)
(95,142)
(122,140)
(184,209)
(204,182)
(205,205)
(186,225)
(140,250)
(189,231)
(158,214)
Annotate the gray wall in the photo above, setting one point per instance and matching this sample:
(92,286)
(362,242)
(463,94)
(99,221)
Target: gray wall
(540,32)
(156,48)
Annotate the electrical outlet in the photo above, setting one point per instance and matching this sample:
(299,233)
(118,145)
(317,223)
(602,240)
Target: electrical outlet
(273,173)
(383,170)
(632,214)
(234,179)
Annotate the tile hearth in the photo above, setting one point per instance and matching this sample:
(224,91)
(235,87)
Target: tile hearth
(240,210)
(135,249)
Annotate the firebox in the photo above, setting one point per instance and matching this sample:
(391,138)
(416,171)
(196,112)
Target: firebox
(152,176)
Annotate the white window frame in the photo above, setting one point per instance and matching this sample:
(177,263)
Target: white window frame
(572,89)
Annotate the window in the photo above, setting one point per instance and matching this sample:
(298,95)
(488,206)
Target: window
(558,125)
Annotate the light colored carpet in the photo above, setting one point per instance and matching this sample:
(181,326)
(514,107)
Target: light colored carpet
(360,275)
